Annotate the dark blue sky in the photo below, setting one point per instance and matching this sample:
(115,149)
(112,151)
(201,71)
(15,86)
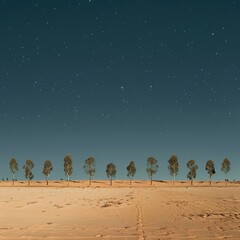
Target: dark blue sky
(119,81)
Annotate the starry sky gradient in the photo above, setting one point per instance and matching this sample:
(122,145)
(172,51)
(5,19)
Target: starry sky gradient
(119,81)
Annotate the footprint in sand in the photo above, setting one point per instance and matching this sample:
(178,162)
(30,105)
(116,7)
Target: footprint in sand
(237,216)
(140,224)
(99,235)
(57,206)
(32,202)
(106,205)
(220,228)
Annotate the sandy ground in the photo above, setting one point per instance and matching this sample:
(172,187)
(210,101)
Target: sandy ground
(140,211)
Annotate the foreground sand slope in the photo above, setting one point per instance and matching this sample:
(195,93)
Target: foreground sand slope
(141,212)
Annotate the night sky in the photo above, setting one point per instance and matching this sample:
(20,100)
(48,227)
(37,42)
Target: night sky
(119,81)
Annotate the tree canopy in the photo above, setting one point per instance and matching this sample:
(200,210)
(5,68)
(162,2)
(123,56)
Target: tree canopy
(89,168)
(29,165)
(209,167)
(192,166)
(68,168)
(111,171)
(131,170)
(152,167)
(47,168)
(14,168)
(226,166)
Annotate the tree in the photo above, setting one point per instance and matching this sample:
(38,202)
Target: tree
(14,168)
(152,167)
(29,165)
(111,171)
(68,168)
(226,167)
(192,170)
(131,170)
(47,168)
(89,168)
(210,169)
(173,166)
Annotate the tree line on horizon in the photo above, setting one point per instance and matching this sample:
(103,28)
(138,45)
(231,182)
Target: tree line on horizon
(111,170)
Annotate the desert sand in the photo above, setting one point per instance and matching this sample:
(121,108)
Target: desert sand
(139,211)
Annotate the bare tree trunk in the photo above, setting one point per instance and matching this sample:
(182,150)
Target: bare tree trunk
(226,180)
(28,182)
(68,180)
(151,179)
(13,180)
(47,180)
(111,181)
(210,181)
(191,182)
(174,178)
(90,182)
(130,181)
